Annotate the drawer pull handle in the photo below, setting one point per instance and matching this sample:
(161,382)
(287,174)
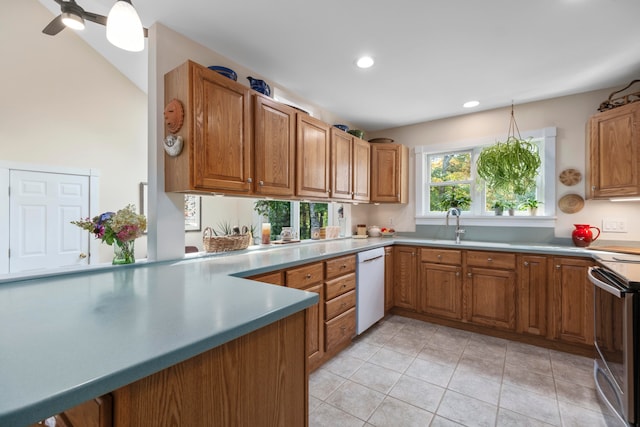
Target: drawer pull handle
(489,259)
(468,274)
(344,285)
(439,256)
(343,266)
(308,276)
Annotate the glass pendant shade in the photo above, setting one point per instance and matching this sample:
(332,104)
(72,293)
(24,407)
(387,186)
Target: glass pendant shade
(73,21)
(124,28)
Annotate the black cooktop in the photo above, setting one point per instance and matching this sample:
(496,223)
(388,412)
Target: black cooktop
(626,267)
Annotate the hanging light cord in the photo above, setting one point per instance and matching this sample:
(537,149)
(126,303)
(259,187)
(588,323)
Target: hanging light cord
(513,127)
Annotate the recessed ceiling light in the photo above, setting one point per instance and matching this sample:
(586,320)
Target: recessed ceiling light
(471,104)
(365,62)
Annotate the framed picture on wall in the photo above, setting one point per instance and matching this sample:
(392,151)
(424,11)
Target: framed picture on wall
(192,205)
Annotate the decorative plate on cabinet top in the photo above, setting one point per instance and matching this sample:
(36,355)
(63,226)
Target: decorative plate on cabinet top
(227,72)
(381,140)
(570,177)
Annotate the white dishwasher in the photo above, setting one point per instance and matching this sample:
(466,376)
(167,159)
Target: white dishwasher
(369,288)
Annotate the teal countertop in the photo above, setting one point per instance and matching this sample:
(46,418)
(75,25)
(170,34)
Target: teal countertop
(67,338)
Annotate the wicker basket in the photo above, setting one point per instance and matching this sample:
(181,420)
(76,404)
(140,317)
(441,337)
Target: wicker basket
(213,243)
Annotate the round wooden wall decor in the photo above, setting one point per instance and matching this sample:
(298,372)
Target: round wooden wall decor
(174,115)
(570,177)
(571,203)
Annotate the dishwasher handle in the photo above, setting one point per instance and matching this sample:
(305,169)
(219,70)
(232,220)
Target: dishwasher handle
(372,259)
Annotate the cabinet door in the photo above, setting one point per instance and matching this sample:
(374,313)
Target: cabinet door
(614,153)
(532,301)
(406,269)
(97,412)
(441,290)
(222,133)
(490,297)
(361,170)
(312,157)
(315,329)
(388,278)
(388,170)
(341,164)
(274,147)
(573,300)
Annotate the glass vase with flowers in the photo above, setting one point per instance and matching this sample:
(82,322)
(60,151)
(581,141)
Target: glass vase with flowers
(119,229)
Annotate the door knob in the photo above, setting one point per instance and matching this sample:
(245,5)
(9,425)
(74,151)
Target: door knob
(82,255)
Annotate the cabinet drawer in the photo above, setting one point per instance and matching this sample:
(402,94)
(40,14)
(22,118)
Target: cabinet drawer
(339,286)
(305,276)
(441,256)
(339,266)
(339,305)
(340,329)
(272,278)
(502,260)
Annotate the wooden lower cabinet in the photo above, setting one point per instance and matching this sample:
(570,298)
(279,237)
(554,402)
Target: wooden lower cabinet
(572,303)
(96,412)
(441,290)
(340,303)
(259,379)
(490,289)
(310,278)
(405,267)
(533,284)
(490,297)
(388,278)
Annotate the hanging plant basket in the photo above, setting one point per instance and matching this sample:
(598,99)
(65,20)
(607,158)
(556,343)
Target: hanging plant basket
(510,167)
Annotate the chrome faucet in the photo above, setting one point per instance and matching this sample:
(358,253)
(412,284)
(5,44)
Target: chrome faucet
(456,212)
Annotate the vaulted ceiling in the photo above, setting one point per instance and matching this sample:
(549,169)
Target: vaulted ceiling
(431,56)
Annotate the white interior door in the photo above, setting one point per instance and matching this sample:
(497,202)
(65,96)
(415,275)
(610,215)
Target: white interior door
(41,207)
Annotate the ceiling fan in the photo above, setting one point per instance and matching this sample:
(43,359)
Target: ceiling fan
(127,27)
(72,16)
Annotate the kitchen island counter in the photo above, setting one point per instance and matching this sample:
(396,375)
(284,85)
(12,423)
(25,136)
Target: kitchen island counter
(70,337)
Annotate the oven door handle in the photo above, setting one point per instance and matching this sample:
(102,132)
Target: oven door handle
(603,285)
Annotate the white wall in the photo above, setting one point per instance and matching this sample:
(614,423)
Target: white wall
(64,105)
(569,114)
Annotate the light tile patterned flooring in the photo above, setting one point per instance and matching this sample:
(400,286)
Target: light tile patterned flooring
(405,372)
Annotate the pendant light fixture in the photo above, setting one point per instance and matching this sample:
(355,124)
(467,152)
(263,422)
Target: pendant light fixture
(124,28)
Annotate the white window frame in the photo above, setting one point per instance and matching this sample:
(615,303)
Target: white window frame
(547,212)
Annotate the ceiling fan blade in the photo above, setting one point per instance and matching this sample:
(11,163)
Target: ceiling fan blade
(94,17)
(54,26)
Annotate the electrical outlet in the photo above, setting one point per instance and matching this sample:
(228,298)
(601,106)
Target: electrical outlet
(614,225)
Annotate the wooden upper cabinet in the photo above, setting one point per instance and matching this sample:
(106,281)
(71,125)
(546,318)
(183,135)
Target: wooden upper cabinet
(350,165)
(217,132)
(341,164)
(274,147)
(361,170)
(313,157)
(389,173)
(614,153)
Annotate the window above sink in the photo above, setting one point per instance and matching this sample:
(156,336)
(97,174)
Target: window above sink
(446,173)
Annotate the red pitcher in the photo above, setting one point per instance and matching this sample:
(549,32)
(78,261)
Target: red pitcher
(582,235)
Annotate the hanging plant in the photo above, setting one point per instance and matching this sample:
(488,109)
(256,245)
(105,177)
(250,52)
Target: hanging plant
(510,166)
